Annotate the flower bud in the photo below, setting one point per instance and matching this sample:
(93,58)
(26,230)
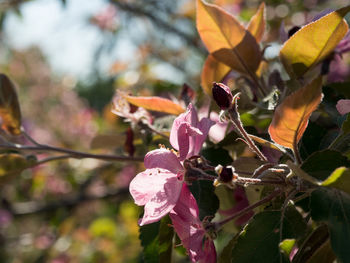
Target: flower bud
(225,175)
(222,95)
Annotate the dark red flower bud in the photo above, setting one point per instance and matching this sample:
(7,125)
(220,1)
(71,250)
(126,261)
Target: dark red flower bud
(226,174)
(222,95)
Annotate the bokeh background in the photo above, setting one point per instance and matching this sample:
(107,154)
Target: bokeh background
(67,58)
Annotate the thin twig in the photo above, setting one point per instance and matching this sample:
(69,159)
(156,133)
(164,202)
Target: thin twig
(72,153)
(249,208)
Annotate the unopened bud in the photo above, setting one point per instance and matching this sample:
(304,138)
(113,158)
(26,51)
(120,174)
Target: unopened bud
(225,175)
(222,95)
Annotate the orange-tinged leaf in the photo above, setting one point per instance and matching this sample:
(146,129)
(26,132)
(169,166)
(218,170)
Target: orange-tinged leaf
(292,115)
(314,42)
(257,23)
(226,39)
(10,112)
(213,70)
(156,104)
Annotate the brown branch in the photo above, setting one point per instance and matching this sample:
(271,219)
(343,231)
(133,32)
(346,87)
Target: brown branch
(34,207)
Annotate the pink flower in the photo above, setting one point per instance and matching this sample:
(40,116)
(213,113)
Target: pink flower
(133,114)
(343,106)
(218,131)
(188,134)
(190,229)
(158,188)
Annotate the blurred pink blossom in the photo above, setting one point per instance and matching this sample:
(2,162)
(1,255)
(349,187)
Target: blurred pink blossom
(123,108)
(106,19)
(343,106)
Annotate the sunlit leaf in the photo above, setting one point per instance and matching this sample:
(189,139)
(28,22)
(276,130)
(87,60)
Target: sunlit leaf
(213,71)
(292,115)
(156,104)
(266,143)
(10,112)
(321,164)
(257,23)
(314,42)
(226,39)
(339,179)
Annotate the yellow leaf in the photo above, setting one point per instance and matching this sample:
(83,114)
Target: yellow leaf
(340,179)
(212,71)
(292,115)
(156,104)
(257,23)
(9,107)
(314,42)
(226,39)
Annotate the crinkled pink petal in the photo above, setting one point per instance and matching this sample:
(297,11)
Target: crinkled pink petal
(204,126)
(343,106)
(162,202)
(189,228)
(190,117)
(163,158)
(185,135)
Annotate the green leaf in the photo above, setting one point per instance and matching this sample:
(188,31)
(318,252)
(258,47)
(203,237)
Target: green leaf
(166,234)
(156,240)
(259,240)
(321,164)
(313,42)
(342,142)
(333,207)
(316,248)
(208,202)
(10,111)
(217,156)
(287,245)
(149,242)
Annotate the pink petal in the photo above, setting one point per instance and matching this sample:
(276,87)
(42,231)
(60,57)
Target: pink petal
(343,106)
(186,142)
(145,185)
(204,126)
(189,228)
(162,202)
(190,117)
(163,158)
(218,131)
(209,252)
